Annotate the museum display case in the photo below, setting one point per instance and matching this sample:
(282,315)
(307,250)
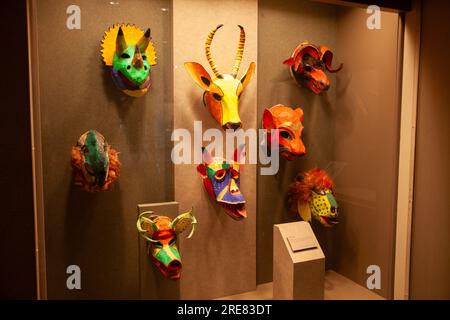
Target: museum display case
(233,119)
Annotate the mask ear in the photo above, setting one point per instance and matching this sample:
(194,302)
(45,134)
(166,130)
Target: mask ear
(201,77)
(146,226)
(180,223)
(304,210)
(299,112)
(268,122)
(247,76)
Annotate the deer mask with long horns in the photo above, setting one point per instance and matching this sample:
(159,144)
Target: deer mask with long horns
(222,93)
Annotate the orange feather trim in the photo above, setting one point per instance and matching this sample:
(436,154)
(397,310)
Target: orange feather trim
(301,189)
(78,177)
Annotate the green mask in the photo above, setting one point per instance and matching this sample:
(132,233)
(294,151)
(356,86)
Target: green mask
(130,61)
(96,160)
(129,51)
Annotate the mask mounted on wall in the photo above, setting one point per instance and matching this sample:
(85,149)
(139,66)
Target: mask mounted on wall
(221,180)
(222,93)
(289,123)
(308,64)
(130,52)
(161,232)
(312,195)
(95,165)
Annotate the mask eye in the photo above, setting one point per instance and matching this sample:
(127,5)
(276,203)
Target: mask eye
(173,241)
(219,175)
(307,68)
(320,192)
(217,97)
(158,244)
(125,56)
(285,135)
(234,174)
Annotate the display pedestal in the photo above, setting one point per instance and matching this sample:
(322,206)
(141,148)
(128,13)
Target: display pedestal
(298,262)
(153,285)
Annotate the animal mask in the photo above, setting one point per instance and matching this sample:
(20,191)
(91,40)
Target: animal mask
(221,180)
(162,234)
(308,64)
(130,52)
(222,93)
(95,165)
(312,195)
(289,123)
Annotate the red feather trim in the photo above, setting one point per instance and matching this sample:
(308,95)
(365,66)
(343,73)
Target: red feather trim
(301,189)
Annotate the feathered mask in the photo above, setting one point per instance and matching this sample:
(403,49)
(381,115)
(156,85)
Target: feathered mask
(95,165)
(311,194)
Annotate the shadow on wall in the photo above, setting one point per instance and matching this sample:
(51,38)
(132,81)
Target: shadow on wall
(84,211)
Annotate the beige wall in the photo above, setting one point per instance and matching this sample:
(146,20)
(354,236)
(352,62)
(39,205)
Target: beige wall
(366,146)
(220,259)
(430,255)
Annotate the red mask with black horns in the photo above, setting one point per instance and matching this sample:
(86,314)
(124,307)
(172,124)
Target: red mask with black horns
(308,64)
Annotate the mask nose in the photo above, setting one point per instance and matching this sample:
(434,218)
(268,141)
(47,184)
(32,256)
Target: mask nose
(232,125)
(175,265)
(234,188)
(298,148)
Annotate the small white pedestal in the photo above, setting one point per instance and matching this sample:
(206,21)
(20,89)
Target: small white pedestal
(298,274)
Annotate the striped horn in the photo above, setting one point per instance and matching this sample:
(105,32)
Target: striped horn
(239,53)
(208,50)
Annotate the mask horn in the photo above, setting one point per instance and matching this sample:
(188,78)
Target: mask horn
(327,57)
(206,156)
(121,44)
(208,50)
(239,154)
(146,226)
(137,62)
(144,41)
(239,53)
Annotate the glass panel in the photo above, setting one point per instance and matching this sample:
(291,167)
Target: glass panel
(97,231)
(351,131)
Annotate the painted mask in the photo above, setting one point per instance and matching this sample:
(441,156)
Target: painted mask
(161,232)
(312,195)
(308,64)
(289,123)
(221,180)
(95,165)
(222,93)
(130,52)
